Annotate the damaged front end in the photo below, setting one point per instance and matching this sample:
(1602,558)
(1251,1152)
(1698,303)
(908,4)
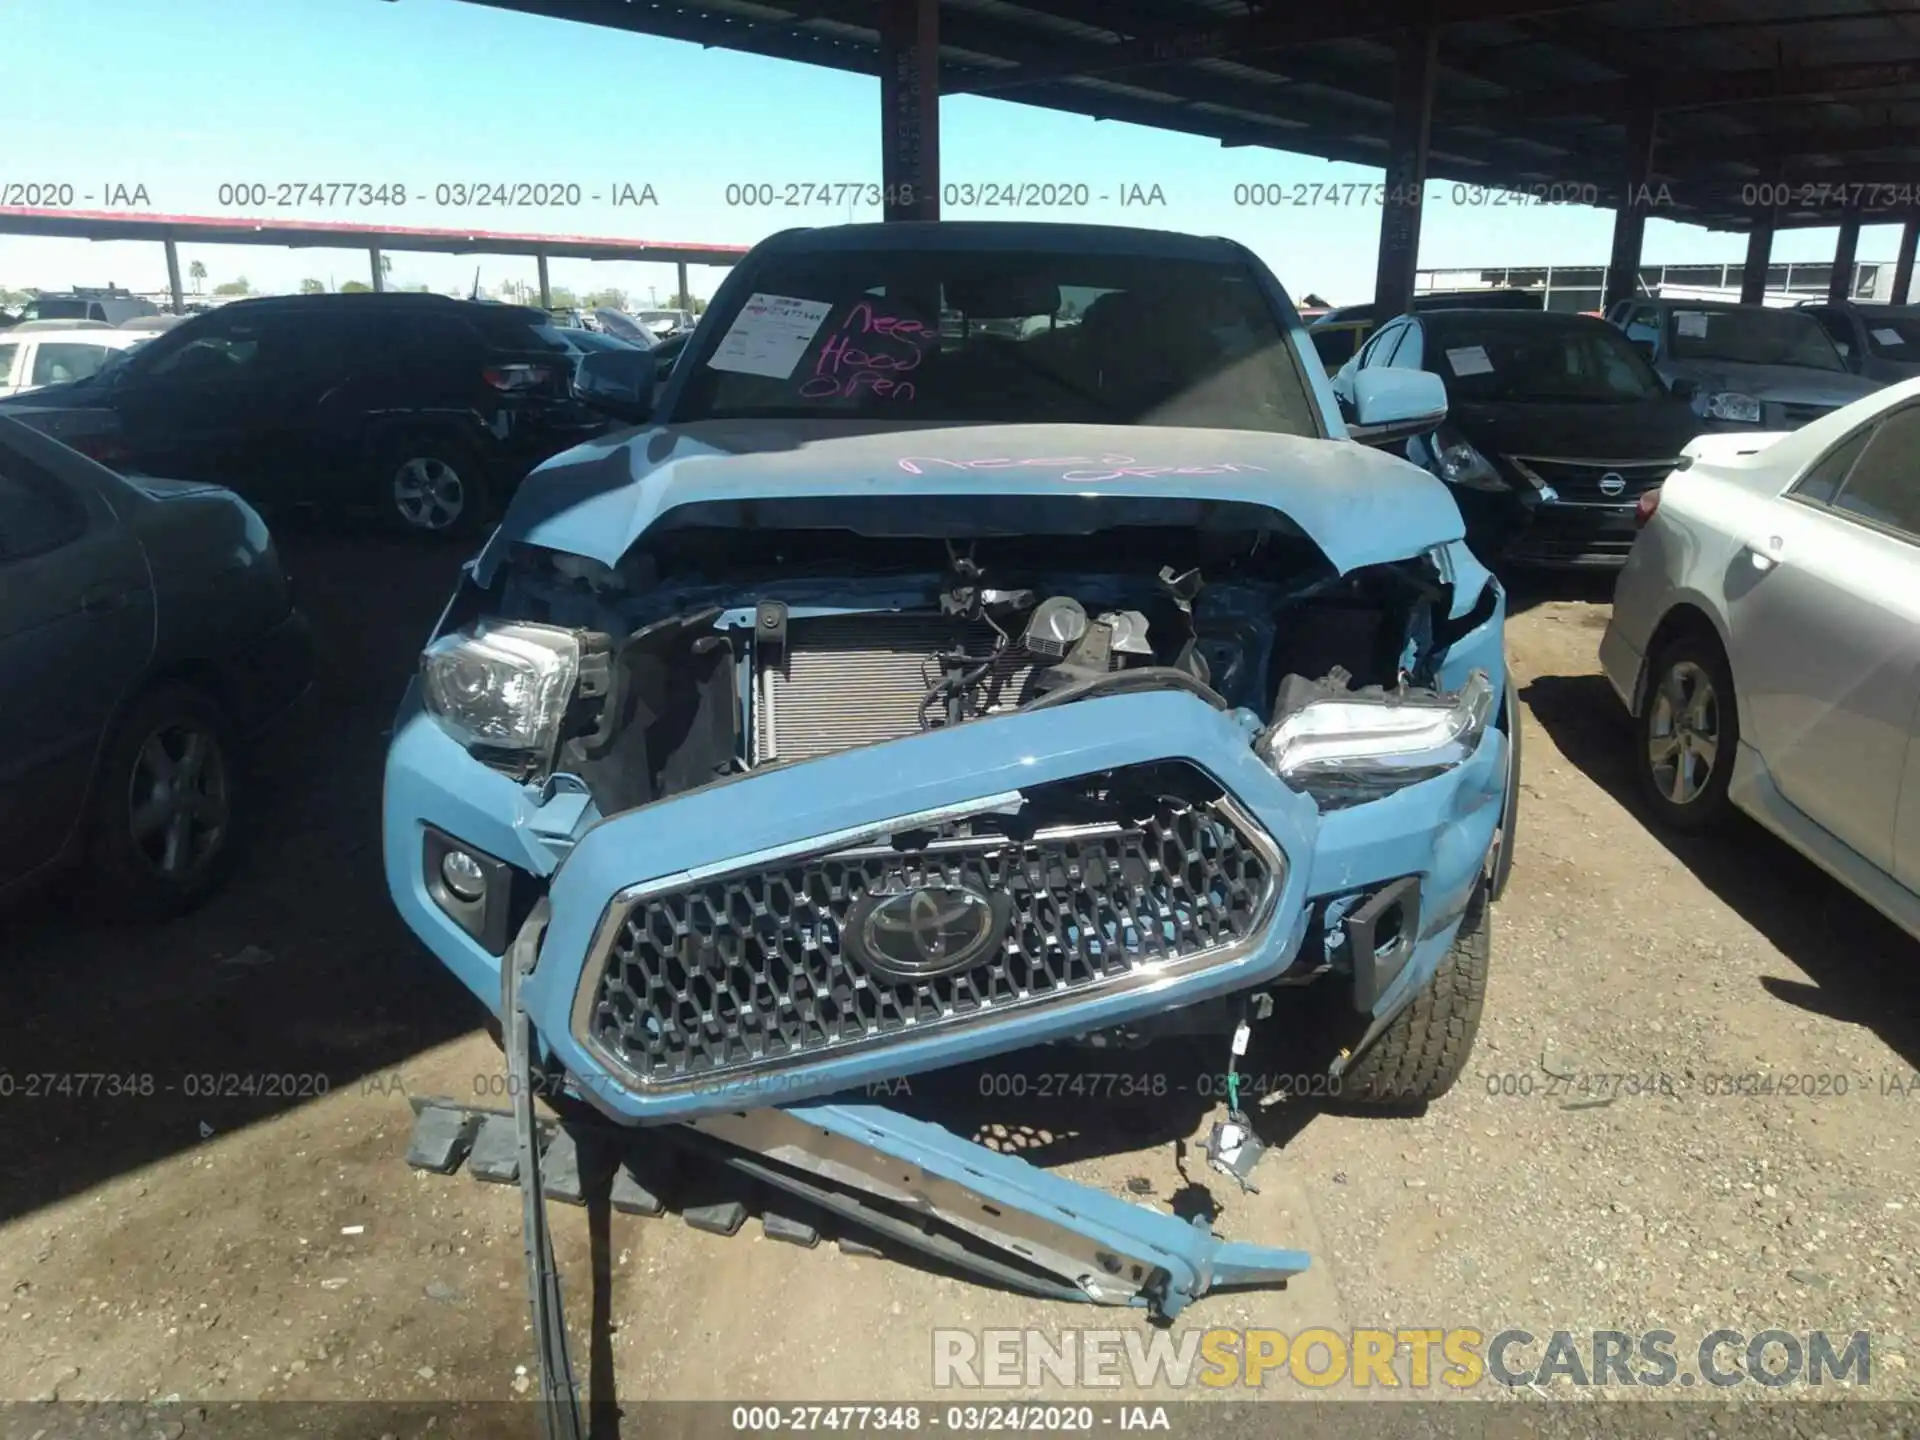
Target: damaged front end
(811,795)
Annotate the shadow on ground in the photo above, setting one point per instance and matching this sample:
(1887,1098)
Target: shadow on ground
(1863,966)
(122,1042)
(1528,588)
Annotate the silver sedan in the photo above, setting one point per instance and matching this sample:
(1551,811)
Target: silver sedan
(1766,638)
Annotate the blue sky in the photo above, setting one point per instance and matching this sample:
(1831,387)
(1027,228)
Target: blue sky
(189,95)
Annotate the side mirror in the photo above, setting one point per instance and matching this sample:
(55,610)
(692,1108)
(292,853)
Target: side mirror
(617,383)
(1384,405)
(1683,388)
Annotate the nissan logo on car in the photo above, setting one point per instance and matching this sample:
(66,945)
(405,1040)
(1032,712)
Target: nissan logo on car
(1612,484)
(925,932)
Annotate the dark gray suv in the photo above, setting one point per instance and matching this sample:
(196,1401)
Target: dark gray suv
(146,630)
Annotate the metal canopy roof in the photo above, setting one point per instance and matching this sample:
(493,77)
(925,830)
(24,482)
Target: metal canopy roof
(213,230)
(1822,96)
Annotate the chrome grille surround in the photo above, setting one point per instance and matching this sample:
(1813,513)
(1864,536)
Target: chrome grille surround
(1577,481)
(737,970)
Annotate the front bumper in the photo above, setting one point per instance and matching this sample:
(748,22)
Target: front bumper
(1575,537)
(1439,831)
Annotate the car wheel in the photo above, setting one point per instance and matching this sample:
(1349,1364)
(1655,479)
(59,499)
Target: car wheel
(433,486)
(164,813)
(1687,733)
(1424,1048)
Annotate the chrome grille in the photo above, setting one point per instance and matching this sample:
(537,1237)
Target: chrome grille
(1115,882)
(1578,482)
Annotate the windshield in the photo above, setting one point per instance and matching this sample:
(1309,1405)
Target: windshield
(1752,336)
(1508,359)
(56,310)
(999,337)
(1894,336)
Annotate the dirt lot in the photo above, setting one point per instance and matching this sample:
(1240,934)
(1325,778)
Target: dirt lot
(182,1245)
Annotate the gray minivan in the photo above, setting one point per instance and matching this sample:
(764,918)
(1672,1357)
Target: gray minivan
(1749,364)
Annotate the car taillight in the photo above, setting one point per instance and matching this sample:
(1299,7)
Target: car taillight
(1644,508)
(514,378)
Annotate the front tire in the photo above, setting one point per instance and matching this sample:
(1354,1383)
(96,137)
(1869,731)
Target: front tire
(1687,733)
(164,811)
(1424,1048)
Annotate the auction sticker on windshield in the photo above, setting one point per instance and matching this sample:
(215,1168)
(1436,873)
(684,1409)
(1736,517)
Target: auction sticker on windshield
(1889,337)
(769,335)
(1470,360)
(1691,323)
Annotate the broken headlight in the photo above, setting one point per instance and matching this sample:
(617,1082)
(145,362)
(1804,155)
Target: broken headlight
(505,690)
(1347,748)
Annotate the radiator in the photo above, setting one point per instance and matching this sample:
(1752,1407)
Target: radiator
(853,680)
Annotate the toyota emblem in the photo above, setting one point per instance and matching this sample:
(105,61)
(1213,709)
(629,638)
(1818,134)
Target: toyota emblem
(1612,484)
(926,932)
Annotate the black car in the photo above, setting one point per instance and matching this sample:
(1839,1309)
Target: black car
(1556,426)
(146,631)
(1338,332)
(424,410)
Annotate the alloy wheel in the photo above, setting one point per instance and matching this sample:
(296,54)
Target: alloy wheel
(178,807)
(428,493)
(1683,733)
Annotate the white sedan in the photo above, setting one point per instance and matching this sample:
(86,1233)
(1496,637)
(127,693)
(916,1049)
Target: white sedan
(1766,639)
(32,357)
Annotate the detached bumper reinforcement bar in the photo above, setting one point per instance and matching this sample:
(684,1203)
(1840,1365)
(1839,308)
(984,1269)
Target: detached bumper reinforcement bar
(907,1180)
(1094,1247)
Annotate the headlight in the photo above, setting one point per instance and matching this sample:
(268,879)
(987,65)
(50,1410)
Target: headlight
(1352,748)
(1461,464)
(1732,405)
(503,687)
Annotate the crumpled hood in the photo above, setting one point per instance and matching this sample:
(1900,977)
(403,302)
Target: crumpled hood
(1360,506)
(1788,384)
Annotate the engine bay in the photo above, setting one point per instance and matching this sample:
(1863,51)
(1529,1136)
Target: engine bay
(728,651)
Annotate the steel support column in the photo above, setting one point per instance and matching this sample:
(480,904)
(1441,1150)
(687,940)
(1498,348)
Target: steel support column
(1415,66)
(685,300)
(173,276)
(910,109)
(1840,282)
(546,290)
(1630,220)
(376,259)
(1753,275)
(1903,264)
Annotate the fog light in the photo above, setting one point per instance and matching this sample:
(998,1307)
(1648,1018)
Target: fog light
(463,875)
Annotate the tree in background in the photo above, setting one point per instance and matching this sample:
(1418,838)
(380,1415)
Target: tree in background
(233,287)
(197,273)
(609,299)
(692,304)
(355,287)
(312,287)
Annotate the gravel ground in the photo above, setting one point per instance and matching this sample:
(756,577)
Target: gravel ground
(272,1245)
